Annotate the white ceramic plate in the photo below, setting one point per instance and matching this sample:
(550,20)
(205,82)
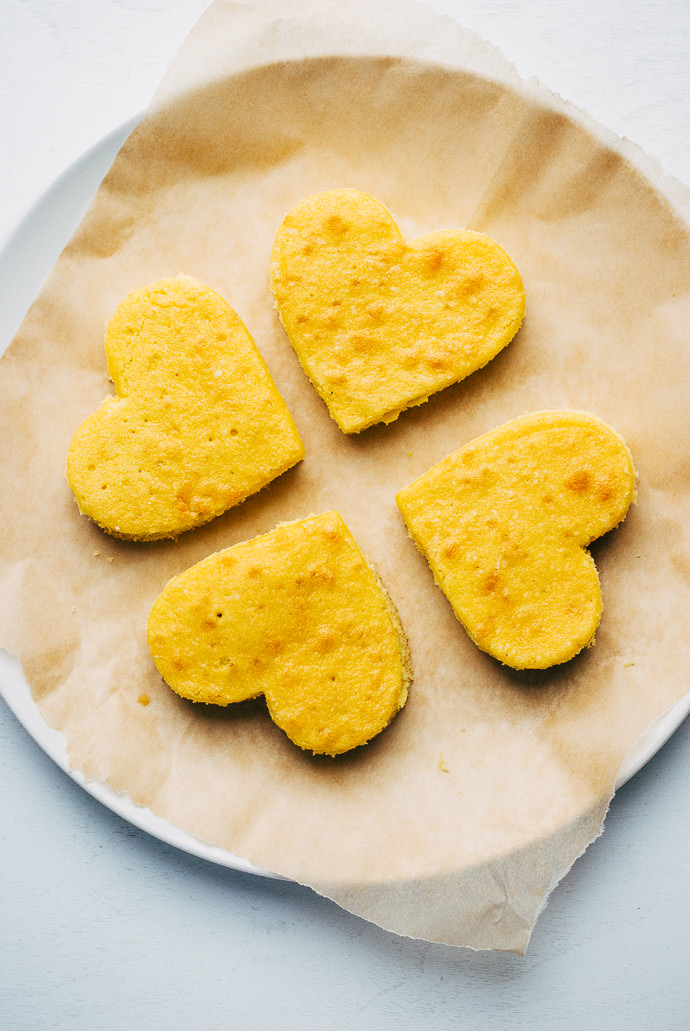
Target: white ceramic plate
(25,261)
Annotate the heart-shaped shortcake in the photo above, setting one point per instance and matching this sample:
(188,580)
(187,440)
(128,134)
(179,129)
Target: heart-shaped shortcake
(504,524)
(198,424)
(296,615)
(380,325)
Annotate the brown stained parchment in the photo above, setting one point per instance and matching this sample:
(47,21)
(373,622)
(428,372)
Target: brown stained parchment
(455,823)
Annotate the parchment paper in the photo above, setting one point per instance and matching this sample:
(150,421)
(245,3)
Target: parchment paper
(457,821)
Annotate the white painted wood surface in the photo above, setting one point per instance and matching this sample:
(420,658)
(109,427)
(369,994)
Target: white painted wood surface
(101,926)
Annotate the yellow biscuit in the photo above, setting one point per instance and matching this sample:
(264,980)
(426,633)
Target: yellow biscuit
(198,424)
(379,325)
(504,525)
(296,615)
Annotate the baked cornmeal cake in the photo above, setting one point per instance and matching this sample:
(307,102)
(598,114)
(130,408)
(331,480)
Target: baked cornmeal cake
(380,325)
(298,616)
(198,424)
(504,524)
